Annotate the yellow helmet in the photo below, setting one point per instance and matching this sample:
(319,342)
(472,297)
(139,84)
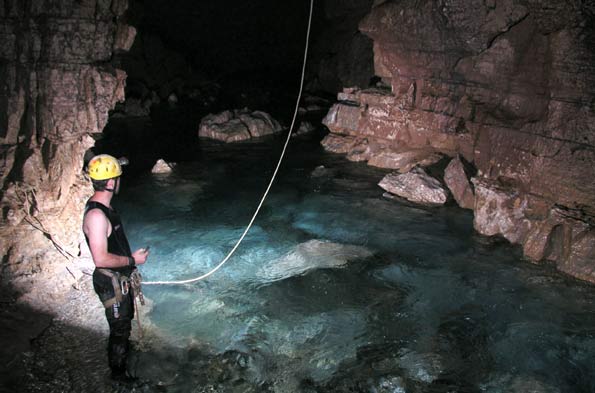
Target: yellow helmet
(103,167)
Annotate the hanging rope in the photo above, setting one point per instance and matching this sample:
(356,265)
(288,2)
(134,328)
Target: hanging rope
(191,280)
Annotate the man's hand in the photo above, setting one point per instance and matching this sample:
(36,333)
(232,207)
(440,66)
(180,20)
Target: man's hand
(140,256)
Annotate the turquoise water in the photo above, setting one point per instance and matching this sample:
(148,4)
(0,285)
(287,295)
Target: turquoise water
(337,288)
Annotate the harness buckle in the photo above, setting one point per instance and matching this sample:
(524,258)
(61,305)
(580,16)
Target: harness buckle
(125,287)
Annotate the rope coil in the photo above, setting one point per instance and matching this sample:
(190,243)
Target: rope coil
(202,277)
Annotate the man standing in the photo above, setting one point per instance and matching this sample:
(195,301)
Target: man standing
(114,262)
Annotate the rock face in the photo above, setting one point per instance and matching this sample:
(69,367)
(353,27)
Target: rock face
(58,86)
(342,55)
(238,125)
(506,85)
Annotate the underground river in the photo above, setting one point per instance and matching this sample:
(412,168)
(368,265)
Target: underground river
(338,288)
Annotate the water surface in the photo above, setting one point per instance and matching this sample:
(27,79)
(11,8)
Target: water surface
(391,297)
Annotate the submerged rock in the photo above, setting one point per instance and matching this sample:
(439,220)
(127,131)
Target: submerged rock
(517,384)
(422,367)
(238,125)
(313,254)
(390,384)
(415,186)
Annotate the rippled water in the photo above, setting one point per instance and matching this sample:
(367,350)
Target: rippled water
(338,288)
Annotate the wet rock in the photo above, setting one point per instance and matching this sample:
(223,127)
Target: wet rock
(404,161)
(238,125)
(415,186)
(500,211)
(172,100)
(322,171)
(339,143)
(163,167)
(579,262)
(313,254)
(305,128)
(458,183)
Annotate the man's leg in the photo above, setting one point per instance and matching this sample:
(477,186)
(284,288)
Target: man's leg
(118,342)
(118,346)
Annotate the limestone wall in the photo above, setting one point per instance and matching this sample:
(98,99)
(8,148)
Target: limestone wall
(58,84)
(509,85)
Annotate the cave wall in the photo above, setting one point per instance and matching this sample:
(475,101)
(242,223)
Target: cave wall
(341,55)
(509,85)
(58,84)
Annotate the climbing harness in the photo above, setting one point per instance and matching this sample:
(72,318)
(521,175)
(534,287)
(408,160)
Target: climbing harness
(272,178)
(122,285)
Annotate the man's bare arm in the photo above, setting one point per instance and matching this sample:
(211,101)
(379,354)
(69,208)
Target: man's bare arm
(96,227)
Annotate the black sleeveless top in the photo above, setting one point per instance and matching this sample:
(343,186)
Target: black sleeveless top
(117,243)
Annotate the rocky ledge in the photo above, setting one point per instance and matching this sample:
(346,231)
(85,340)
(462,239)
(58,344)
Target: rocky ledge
(506,89)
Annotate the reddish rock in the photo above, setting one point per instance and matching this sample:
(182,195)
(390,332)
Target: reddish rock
(458,183)
(238,125)
(500,211)
(581,255)
(339,143)
(415,186)
(506,85)
(403,162)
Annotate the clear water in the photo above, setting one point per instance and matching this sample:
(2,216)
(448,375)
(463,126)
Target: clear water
(390,298)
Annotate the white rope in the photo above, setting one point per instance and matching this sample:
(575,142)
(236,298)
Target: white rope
(272,178)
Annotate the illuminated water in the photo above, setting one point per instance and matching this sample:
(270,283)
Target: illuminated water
(415,302)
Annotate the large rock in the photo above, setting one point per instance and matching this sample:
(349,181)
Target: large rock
(415,186)
(162,167)
(238,125)
(458,183)
(500,211)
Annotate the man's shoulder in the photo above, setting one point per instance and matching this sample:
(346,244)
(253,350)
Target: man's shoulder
(94,214)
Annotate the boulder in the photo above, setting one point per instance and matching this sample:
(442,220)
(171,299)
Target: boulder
(458,183)
(162,167)
(237,125)
(416,186)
